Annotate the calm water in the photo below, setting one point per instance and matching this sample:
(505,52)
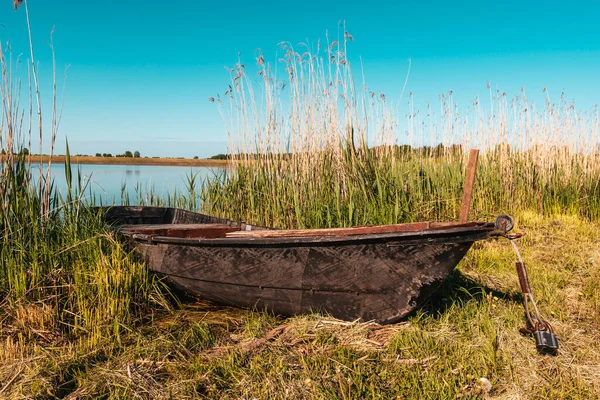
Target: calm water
(106,182)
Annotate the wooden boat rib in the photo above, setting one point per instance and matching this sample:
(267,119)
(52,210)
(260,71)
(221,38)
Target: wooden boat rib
(379,273)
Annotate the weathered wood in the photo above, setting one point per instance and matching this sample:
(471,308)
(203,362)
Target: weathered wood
(206,231)
(127,215)
(468,188)
(327,232)
(370,276)
(363,230)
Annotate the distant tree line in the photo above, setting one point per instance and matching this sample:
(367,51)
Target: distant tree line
(398,150)
(135,154)
(24,151)
(220,157)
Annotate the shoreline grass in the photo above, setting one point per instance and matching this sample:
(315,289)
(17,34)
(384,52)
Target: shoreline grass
(468,330)
(314,150)
(387,189)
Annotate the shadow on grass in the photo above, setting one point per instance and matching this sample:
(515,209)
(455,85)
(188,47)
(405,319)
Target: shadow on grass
(457,290)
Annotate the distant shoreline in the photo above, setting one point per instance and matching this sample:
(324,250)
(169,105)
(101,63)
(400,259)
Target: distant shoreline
(180,162)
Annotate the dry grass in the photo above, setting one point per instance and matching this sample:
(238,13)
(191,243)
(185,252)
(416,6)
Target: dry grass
(60,159)
(469,330)
(317,149)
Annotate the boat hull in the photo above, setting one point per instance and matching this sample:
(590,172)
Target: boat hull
(380,277)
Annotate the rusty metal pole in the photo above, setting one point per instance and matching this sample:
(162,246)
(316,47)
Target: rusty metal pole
(468,188)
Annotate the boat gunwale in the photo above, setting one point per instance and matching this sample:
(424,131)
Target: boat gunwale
(481,230)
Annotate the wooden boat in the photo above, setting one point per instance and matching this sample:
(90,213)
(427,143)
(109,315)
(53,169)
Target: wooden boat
(379,273)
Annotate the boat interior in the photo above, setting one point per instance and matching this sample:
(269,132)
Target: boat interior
(214,231)
(200,231)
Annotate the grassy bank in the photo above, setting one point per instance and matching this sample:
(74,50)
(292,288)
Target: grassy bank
(469,330)
(82,318)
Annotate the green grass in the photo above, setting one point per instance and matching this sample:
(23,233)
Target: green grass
(314,148)
(81,317)
(385,187)
(96,325)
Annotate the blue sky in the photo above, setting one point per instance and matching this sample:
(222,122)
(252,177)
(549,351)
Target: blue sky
(140,72)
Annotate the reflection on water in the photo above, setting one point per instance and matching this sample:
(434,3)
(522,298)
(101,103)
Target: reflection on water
(131,171)
(106,184)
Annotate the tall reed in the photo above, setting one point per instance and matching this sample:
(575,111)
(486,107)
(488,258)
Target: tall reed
(313,148)
(62,272)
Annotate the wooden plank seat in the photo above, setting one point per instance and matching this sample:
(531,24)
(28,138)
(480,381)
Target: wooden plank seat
(208,231)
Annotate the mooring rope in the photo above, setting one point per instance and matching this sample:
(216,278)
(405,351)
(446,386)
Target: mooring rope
(546,341)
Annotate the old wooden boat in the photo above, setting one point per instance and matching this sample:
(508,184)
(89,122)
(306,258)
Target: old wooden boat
(379,273)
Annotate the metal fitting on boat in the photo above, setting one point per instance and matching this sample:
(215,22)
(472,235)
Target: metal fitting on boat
(504,223)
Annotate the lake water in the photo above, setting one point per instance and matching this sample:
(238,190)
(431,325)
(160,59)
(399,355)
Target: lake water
(108,182)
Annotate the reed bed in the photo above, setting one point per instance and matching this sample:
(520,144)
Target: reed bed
(314,149)
(65,282)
